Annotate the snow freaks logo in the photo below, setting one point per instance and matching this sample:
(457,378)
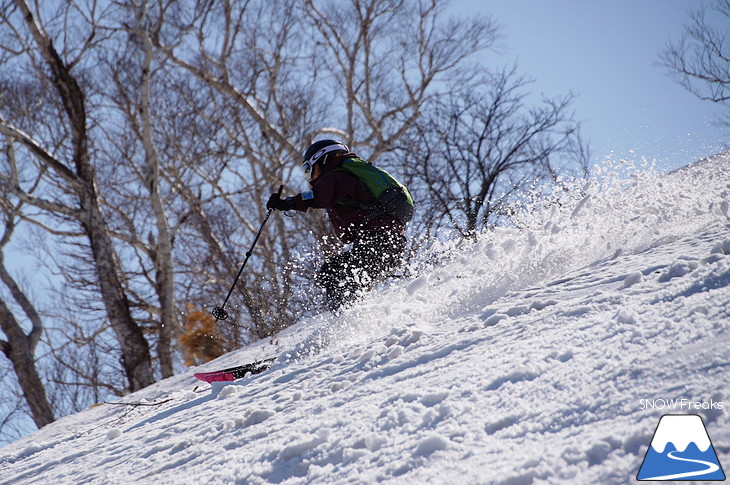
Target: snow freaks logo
(679,404)
(681,450)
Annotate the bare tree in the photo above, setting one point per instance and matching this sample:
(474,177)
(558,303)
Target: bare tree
(700,59)
(382,60)
(483,146)
(77,199)
(19,346)
(137,210)
(162,255)
(230,155)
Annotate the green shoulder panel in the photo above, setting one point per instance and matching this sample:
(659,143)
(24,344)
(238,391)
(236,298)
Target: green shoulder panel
(375,179)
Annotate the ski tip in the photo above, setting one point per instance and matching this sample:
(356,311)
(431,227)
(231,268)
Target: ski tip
(215,377)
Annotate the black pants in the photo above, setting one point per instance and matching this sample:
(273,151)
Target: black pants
(347,275)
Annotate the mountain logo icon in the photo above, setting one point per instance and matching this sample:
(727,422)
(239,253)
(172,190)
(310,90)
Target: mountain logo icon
(681,450)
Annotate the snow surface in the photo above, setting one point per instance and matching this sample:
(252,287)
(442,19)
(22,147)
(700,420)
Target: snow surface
(545,354)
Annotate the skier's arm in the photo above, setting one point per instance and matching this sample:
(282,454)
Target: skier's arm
(327,191)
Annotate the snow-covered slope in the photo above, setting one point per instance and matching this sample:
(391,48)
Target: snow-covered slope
(545,354)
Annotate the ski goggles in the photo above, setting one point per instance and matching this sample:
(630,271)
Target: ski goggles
(308,165)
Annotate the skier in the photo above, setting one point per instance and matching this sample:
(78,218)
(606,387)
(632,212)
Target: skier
(355,195)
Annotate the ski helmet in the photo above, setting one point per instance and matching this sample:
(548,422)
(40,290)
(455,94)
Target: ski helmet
(318,153)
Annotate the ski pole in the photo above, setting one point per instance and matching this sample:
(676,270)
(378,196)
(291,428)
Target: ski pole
(219,312)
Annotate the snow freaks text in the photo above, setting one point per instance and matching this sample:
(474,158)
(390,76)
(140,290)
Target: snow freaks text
(679,404)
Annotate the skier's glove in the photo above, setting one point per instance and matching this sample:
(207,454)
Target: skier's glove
(276,202)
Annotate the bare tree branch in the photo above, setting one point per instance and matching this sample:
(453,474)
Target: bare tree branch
(700,59)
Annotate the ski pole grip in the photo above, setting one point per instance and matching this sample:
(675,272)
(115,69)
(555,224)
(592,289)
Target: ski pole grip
(281,189)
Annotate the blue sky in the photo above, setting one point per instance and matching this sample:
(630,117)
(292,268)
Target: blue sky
(607,53)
